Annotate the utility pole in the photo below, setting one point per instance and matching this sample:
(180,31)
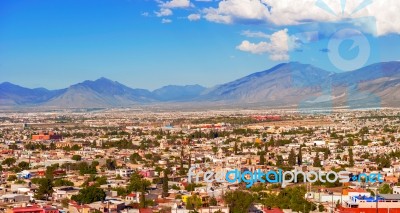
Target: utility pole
(377,199)
(29,159)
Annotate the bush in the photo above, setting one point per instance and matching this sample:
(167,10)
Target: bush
(77,158)
(12,178)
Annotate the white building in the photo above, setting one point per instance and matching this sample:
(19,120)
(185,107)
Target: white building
(124,172)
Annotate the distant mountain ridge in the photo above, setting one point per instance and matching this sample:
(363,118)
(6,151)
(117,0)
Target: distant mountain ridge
(273,85)
(295,84)
(102,92)
(11,94)
(178,93)
(288,84)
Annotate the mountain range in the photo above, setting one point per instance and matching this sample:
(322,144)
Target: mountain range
(285,85)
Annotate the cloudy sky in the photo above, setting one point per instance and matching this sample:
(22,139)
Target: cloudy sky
(151,43)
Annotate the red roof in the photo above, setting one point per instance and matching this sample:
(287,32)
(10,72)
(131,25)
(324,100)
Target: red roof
(145,210)
(27,209)
(34,208)
(131,195)
(273,210)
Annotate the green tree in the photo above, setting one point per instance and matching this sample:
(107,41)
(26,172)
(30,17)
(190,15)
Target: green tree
(190,160)
(213,201)
(13,146)
(191,186)
(45,189)
(239,201)
(327,152)
(75,147)
(62,182)
(271,141)
(262,158)
(135,182)
(89,195)
(370,191)
(23,165)
(52,146)
(300,157)
(12,178)
(121,191)
(279,160)
(181,169)
(85,168)
(290,198)
(111,164)
(97,180)
(235,148)
(292,158)
(193,202)
(95,163)
(165,183)
(385,189)
(135,157)
(363,131)
(317,161)
(139,184)
(76,157)
(321,208)
(383,161)
(8,161)
(50,171)
(143,185)
(351,160)
(350,142)
(215,150)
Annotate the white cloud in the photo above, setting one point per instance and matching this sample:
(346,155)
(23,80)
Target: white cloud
(212,15)
(146,14)
(230,11)
(294,12)
(194,17)
(164,12)
(166,6)
(259,48)
(176,4)
(278,46)
(166,21)
(386,13)
(255,34)
(287,12)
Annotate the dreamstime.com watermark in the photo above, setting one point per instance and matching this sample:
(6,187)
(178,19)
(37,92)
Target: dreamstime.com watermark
(280,176)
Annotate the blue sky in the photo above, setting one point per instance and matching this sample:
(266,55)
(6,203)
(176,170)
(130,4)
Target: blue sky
(149,44)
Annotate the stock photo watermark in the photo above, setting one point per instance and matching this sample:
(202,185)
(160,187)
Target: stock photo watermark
(280,176)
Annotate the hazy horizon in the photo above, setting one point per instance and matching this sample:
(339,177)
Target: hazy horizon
(161,86)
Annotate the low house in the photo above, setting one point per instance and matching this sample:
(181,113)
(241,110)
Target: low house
(14,198)
(65,192)
(132,198)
